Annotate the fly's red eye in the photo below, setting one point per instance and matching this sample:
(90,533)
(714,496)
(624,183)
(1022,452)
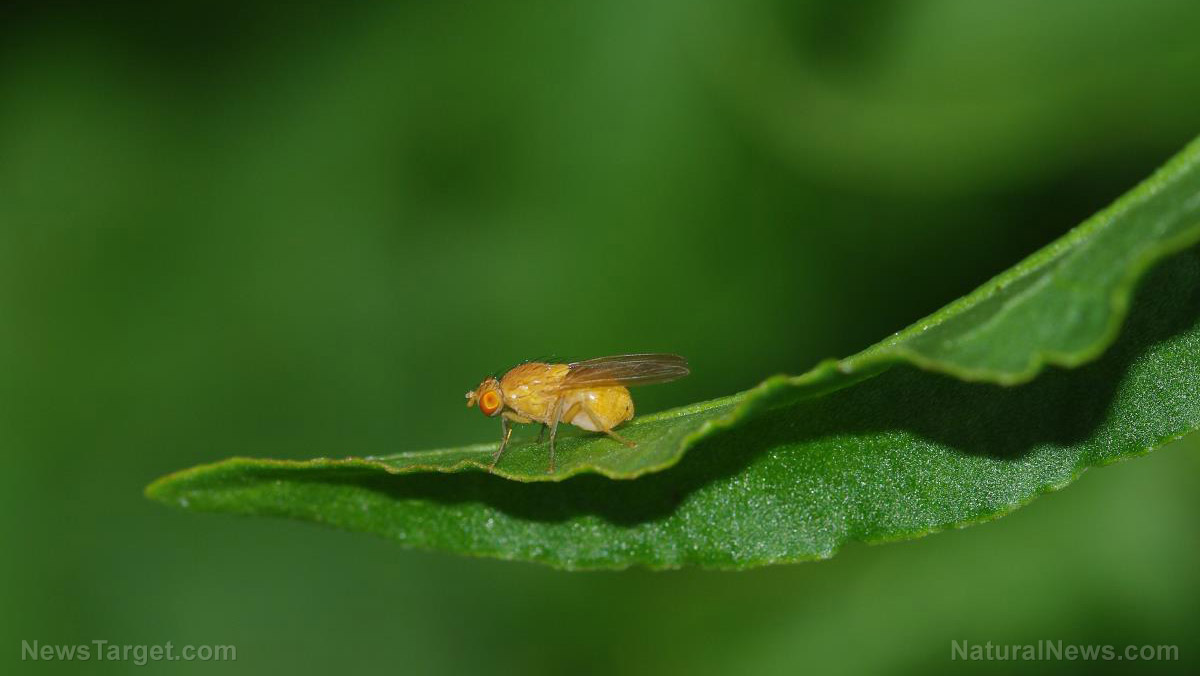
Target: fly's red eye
(489,402)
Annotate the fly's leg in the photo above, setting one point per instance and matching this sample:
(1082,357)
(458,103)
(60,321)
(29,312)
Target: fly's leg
(629,443)
(541,433)
(571,412)
(506,433)
(558,415)
(607,430)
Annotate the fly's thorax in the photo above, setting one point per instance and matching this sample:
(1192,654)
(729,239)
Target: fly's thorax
(532,388)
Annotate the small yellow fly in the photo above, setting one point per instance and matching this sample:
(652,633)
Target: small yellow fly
(590,394)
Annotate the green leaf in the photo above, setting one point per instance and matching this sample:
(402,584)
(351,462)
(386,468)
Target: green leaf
(868,448)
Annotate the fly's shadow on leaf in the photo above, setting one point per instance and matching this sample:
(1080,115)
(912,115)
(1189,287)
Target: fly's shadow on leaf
(1059,408)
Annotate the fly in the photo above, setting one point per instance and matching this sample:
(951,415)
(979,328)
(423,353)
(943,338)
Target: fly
(592,394)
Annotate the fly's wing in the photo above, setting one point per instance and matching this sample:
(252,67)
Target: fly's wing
(625,369)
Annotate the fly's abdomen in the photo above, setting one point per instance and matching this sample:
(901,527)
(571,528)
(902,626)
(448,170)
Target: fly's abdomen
(610,406)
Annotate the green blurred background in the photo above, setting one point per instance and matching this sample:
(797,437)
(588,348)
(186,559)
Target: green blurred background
(294,230)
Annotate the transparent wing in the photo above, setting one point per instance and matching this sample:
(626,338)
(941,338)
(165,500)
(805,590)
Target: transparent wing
(625,369)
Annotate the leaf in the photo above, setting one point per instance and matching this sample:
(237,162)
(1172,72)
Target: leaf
(867,448)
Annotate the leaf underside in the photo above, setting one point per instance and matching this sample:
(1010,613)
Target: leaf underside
(923,431)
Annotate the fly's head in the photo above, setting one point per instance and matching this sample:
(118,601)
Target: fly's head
(487,396)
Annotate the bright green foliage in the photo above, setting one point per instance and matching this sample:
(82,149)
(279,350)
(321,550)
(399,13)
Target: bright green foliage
(868,448)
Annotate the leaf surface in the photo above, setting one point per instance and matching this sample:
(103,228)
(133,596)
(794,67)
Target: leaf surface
(942,424)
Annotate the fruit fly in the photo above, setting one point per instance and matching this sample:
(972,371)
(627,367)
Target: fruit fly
(590,394)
